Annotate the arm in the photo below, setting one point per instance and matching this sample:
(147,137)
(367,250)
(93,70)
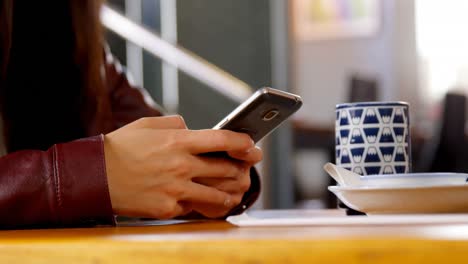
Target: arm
(130,103)
(41,188)
(67,184)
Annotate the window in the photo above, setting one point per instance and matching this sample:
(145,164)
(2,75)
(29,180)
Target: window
(442,45)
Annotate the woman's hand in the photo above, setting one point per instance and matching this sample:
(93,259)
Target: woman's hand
(236,187)
(152,163)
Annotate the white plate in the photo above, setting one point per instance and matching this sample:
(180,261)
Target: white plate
(419,179)
(405,199)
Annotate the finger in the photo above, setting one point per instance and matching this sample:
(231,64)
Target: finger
(162,122)
(225,185)
(197,193)
(172,210)
(231,186)
(211,211)
(217,168)
(216,211)
(186,208)
(251,156)
(211,140)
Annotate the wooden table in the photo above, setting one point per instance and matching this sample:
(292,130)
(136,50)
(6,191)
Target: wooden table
(220,242)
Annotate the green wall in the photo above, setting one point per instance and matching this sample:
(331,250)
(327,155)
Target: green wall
(234,35)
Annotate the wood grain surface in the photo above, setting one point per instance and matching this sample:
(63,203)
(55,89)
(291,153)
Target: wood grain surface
(220,242)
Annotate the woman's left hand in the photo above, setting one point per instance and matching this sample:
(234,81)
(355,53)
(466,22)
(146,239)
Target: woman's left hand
(236,187)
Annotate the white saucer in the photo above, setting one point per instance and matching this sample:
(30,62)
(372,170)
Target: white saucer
(410,199)
(419,179)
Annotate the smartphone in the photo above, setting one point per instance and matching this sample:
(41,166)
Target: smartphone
(261,113)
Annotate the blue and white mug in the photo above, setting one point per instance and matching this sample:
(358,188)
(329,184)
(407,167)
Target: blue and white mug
(373,137)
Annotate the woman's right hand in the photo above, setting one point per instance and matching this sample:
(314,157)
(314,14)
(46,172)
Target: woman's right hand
(151,164)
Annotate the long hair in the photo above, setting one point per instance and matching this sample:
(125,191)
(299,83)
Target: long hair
(51,80)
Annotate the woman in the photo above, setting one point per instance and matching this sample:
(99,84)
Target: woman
(58,85)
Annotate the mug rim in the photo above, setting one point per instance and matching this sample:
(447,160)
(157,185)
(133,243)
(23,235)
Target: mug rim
(374,103)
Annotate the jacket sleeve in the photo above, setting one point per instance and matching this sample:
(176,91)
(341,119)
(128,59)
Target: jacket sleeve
(128,102)
(63,186)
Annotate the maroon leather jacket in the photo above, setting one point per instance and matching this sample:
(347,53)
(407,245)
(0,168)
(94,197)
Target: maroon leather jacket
(67,184)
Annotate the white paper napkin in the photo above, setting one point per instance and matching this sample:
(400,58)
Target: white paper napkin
(338,218)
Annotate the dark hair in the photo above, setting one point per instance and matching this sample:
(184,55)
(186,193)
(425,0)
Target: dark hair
(51,79)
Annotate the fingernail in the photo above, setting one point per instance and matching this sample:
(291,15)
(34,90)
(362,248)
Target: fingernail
(249,150)
(227,201)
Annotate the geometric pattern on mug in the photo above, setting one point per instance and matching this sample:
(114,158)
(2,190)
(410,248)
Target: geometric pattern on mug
(387,136)
(344,118)
(386,114)
(372,170)
(387,170)
(399,116)
(387,153)
(356,136)
(371,117)
(357,154)
(345,157)
(399,133)
(344,135)
(400,169)
(373,140)
(406,115)
(400,155)
(371,134)
(356,115)
(358,170)
(372,155)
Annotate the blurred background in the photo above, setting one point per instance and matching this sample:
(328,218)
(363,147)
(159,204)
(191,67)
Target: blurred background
(327,51)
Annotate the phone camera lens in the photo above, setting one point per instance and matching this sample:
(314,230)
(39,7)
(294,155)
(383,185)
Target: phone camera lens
(270,115)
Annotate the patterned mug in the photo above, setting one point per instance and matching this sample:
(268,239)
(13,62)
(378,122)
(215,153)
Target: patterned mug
(373,137)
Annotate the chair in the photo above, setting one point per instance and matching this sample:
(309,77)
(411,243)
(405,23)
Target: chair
(447,151)
(362,89)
